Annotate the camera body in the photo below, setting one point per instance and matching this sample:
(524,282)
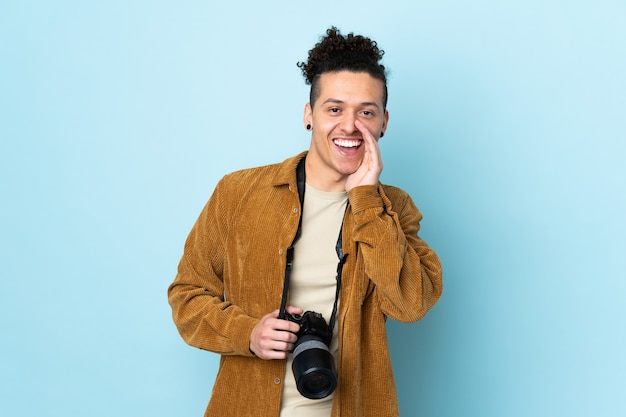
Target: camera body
(313,364)
(311,324)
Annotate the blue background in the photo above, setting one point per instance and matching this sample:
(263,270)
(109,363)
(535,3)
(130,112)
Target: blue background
(507,127)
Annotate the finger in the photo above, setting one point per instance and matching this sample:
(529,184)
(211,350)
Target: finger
(286,337)
(278,346)
(270,346)
(371,144)
(283,325)
(272,354)
(294,310)
(367,135)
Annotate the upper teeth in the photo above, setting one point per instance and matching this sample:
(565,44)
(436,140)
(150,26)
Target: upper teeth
(347,143)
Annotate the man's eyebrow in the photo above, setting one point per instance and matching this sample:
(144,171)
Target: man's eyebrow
(333,100)
(365,103)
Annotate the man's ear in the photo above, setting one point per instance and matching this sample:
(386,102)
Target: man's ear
(308,116)
(385,121)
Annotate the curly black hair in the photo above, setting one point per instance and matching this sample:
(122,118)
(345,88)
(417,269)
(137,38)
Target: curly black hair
(336,52)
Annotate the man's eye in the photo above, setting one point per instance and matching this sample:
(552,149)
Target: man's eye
(334,110)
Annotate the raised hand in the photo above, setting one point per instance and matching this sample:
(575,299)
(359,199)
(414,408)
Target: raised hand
(371,166)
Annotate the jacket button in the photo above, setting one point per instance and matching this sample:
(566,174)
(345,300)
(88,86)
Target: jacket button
(295,210)
(276,380)
(280,251)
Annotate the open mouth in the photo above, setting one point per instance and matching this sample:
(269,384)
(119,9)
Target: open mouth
(348,143)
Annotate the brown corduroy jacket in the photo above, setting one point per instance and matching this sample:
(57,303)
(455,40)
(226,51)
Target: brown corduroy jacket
(231,274)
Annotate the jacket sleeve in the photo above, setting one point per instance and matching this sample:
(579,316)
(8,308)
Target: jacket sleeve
(202,315)
(405,273)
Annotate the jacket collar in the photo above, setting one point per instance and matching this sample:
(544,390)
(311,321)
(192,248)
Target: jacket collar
(286,174)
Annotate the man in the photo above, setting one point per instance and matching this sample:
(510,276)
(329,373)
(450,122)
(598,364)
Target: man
(327,210)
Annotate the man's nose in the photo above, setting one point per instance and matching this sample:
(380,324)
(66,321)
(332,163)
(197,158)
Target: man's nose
(347,123)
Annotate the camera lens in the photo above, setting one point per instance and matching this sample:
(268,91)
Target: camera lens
(317,384)
(314,368)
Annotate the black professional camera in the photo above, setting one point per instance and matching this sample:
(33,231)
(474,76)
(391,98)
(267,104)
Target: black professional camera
(313,364)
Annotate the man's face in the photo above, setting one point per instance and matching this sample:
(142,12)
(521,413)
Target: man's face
(337,147)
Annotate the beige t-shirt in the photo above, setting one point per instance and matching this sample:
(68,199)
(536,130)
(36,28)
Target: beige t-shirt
(313,284)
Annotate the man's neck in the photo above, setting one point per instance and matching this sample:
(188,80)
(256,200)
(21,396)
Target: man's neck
(323,181)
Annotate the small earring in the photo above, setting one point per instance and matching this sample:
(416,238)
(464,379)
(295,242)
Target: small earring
(382,134)
(308,127)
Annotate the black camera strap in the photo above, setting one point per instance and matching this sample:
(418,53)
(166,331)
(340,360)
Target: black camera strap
(342,261)
(301,181)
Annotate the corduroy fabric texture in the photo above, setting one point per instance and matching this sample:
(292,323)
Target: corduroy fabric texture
(231,274)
